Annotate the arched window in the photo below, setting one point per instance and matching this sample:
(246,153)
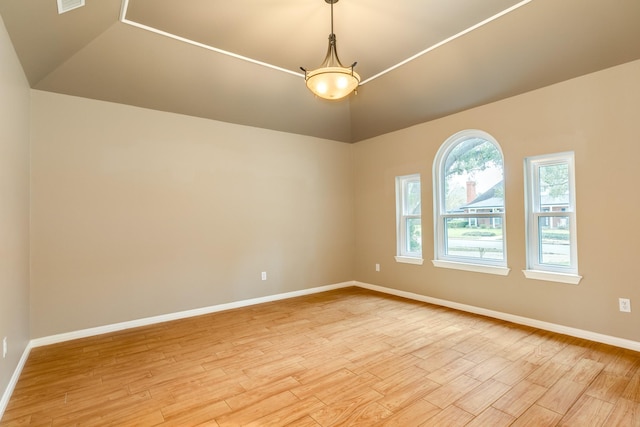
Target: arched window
(468,176)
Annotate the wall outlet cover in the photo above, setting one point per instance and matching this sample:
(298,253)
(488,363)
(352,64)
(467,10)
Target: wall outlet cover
(625,305)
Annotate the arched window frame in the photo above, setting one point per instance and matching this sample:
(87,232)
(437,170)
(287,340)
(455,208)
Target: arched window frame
(442,259)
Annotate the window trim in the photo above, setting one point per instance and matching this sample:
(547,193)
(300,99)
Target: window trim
(477,268)
(408,260)
(443,260)
(533,212)
(403,255)
(549,276)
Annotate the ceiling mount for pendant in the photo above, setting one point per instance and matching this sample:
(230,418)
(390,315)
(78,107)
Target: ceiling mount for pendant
(332,80)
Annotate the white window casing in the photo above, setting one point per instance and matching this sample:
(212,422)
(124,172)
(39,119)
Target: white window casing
(408,219)
(550,215)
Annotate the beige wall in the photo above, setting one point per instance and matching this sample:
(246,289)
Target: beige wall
(597,117)
(137,213)
(14,208)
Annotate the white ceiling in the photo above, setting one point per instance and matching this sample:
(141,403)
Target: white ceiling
(238,61)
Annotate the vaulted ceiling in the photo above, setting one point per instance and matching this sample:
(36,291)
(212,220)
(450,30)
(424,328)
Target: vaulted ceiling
(238,61)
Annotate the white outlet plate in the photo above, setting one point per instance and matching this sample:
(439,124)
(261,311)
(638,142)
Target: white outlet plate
(625,304)
(377,267)
(264,275)
(4,347)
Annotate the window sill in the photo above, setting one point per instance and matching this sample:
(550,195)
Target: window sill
(478,268)
(572,279)
(409,260)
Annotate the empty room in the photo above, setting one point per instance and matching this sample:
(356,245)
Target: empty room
(208,217)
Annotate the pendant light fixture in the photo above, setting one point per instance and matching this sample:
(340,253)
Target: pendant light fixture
(332,80)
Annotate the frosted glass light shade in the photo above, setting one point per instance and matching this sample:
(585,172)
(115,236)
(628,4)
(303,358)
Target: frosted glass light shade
(332,82)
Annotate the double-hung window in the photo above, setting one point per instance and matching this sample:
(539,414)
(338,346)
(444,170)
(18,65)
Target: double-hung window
(408,219)
(551,218)
(469,208)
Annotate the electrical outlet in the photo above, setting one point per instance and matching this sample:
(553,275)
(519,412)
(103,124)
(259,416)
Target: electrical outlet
(264,275)
(4,347)
(377,267)
(625,304)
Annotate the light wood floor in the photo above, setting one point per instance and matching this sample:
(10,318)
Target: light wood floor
(346,357)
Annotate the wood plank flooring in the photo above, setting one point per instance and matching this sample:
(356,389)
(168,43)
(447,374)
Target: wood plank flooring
(346,357)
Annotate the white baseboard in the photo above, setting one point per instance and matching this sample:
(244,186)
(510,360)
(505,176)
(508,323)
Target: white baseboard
(14,380)
(552,327)
(83,333)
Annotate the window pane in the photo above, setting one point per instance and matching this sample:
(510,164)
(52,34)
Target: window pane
(409,236)
(412,198)
(483,242)
(555,240)
(473,178)
(554,187)
(414,235)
